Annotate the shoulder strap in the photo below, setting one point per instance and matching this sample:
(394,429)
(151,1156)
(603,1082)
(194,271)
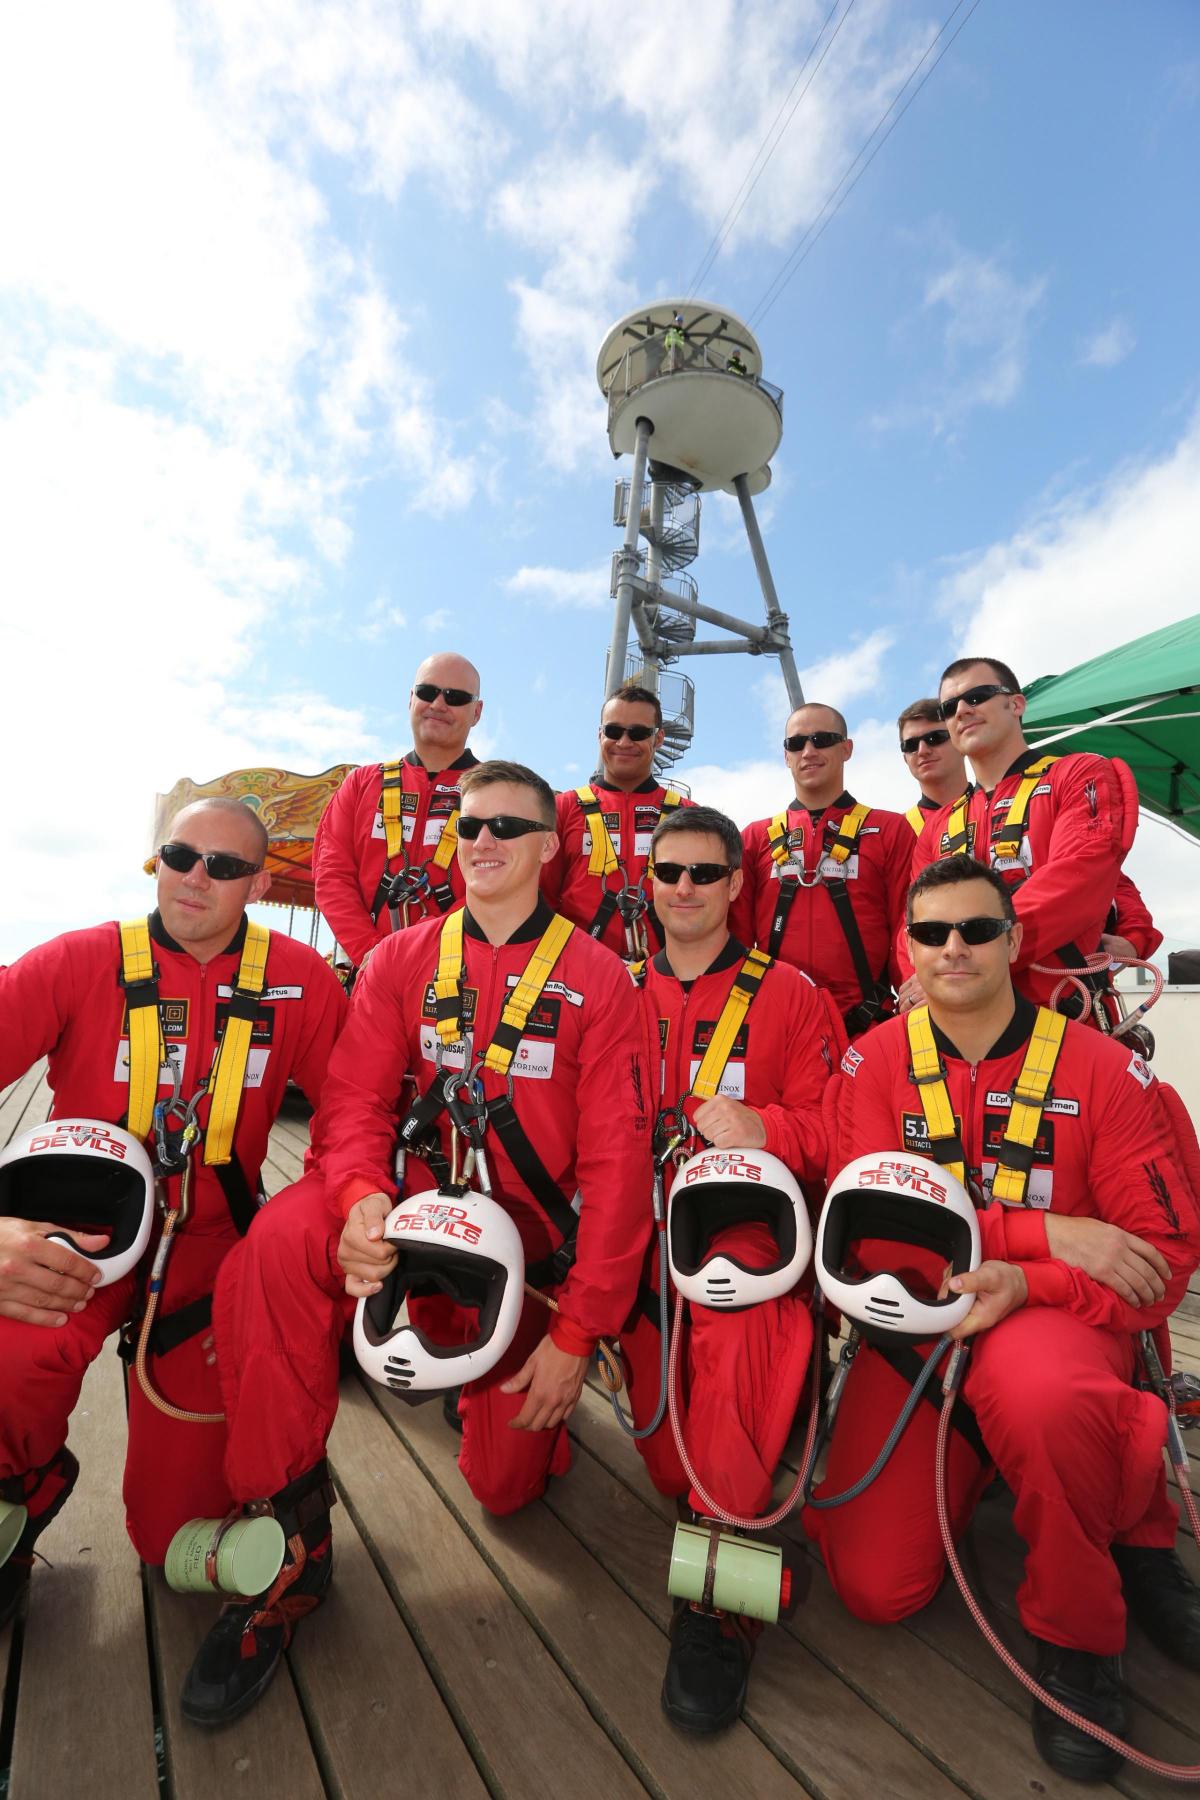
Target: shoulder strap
(525,996)
(391,806)
(1014,1156)
(229,1068)
(916,816)
(848,831)
(929,1075)
(777,837)
(1007,841)
(746,984)
(147,1050)
(602,859)
(957,838)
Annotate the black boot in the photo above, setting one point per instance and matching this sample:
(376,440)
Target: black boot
(241,1653)
(708,1670)
(44,1492)
(1163,1599)
(1090,1685)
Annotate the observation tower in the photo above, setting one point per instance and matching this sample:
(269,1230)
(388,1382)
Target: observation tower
(687,399)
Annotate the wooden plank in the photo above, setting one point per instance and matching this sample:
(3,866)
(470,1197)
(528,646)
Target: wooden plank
(910,1685)
(561,1584)
(84,1657)
(528,1729)
(17,1098)
(265,1752)
(376,1718)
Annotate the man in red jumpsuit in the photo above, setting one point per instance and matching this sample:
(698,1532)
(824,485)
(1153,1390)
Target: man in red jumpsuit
(824,883)
(611,903)
(364,890)
(1100,1249)
(569,1159)
(742,1372)
(65,1000)
(1063,857)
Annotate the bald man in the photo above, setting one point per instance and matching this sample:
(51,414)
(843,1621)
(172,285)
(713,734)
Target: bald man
(384,857)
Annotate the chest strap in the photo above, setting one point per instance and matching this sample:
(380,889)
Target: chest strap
(447,988)
(916,816)
(1007,837)
(603,860)
(1014,1153)
(746,984)
(147,1048)
(233,1052)
(873,988)
(397,887)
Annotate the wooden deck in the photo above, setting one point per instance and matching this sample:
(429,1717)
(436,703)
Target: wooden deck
(462,1656)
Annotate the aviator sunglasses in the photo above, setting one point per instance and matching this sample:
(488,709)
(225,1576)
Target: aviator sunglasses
(933,738)
(504,825)
(637,734)
(700,874)
(820,740)
(218,864)
(974,697)
(935,933)
(429,690)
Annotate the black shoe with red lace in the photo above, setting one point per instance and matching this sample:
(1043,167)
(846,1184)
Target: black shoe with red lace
(237,1660)
(708,1669)
(44,1492)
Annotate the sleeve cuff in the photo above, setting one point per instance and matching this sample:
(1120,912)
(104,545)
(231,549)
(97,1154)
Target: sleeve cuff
(566,1335)
(1025,1236)
(355,1189)
(1049,1283)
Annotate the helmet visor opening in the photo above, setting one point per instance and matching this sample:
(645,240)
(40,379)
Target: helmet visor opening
(76,1192)
(475,1283)
(698,1216)
(867,1216)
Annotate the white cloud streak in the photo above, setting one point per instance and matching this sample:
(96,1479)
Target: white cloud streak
(1109,346)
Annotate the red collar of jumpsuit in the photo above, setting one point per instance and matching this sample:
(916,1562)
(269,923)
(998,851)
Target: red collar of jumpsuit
(631,818)
(580,1091)
(350,850)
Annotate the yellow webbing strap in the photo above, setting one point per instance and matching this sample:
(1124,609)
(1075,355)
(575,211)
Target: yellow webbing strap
(916,816)
(602,859)
(777,838)
(1029,1099)
(746,984)
(392,808)
(1013,829)
(147,1051)
(847,834)
(670,800)
(447,844)
(956,837)
(447,987)
(930,1079)
(229,1068)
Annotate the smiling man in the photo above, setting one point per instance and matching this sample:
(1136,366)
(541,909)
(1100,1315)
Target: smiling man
(71,1000)
(597,875)
(383,856)
(1090,1234)
(825,880)
(567,1141)
(930,757)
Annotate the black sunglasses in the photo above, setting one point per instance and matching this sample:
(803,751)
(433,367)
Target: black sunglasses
(820,740)
(932,738)
(701,874)
(935,933)
(218,864)
(974,697)
(429,690)
(637,734)
(504,825)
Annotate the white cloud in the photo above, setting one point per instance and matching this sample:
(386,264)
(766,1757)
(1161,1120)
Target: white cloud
(754,790)
(837,680)
(1094,569)
(381,619)
(587,588)
(1109,346)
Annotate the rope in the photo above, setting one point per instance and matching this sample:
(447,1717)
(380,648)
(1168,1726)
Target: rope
(1096,964)
(610,1367)
(143,1343)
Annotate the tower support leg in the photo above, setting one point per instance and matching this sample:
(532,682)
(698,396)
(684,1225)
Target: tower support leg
(777,619)
(628,564)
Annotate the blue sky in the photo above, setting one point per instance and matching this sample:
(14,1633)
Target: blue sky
(300,307)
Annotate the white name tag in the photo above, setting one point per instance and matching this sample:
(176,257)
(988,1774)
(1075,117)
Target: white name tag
(733,1081)
(176,1059)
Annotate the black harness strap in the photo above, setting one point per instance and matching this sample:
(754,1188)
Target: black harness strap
(908,1365)
(875,991)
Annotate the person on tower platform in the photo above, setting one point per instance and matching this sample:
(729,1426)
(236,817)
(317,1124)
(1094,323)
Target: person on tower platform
(567,1134)
(383,855)
(193,1008)
(1056,827)
(744,1371)
(1089,1231)
(597,876)
(825,880)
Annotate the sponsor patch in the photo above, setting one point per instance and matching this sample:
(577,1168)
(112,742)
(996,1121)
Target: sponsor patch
(916,1133)
(1039,1189)
(1068,1109)
(261,1032)
(1141,1072)
(850,1061)
(176,1060)
(831,869)
(613,821)
(225,992)
(256,1068)
(454,1055)
(558,988)
(469,997)
(174,1016)
(733,1078)
(993,1130)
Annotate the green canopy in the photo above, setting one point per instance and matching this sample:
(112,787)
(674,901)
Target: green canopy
(1140,702)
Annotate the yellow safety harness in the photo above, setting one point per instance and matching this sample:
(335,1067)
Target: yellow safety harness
(603,861)
(916,816)
(873,988)
(399,889)
(746,984)
(1014,1154)
(1008,834)
(147,1049)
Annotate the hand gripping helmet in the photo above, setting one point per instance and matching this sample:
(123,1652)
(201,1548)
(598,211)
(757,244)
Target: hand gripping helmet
(86,1176)
(897,1200)
(718,1188)
(461,1245)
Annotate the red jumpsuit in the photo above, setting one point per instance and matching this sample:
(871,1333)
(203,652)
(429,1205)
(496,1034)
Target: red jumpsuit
(1050,1385)
(63,1000)
(876,877)
(1081,822)
(631,819)
(744,1371)
(580,1092)
(350,848)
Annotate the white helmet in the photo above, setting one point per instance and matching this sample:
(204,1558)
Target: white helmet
(717,1188)
(84,1175)
(462,1245)
(897,1199)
